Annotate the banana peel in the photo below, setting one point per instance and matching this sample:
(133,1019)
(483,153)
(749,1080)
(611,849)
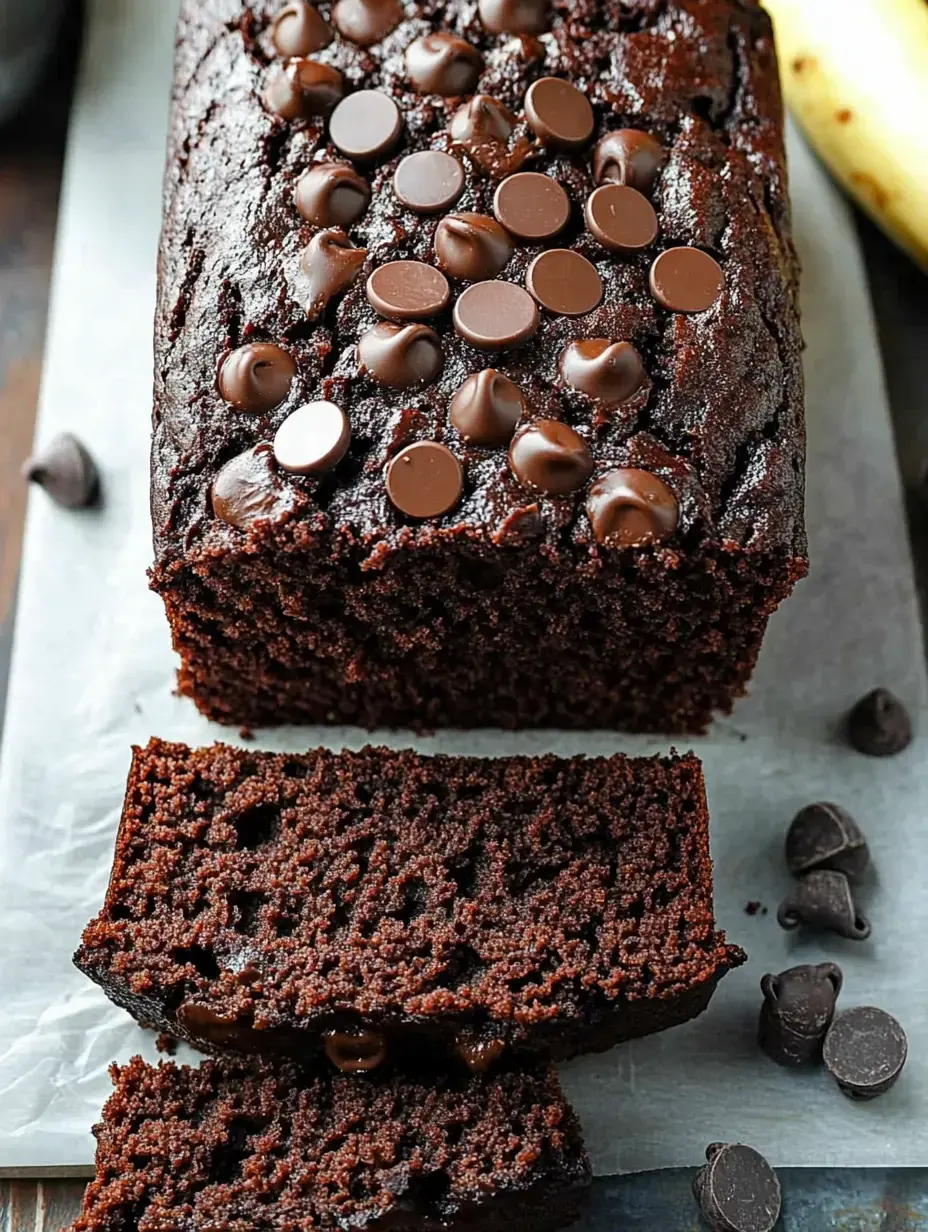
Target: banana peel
(855,75)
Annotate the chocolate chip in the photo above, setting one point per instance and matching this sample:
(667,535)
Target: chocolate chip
(312,439)
(610,372)
(247,490)
(823,900)
(549,456)
(621,218)
(330,263)
(66,471)
(300,30)
(257,377)
(366,22)
(495,315)
(355,1051)
(798,1007)
(879,725)
(482,127)
(564,282)
(531,205)
(825,836)
(558,113)
(479,1054)
(408,290)
(737,1190)
(629,508)
(366,124)
(686,280)
(400,356)
(443,64)
(301,89)
(332,195)
(472,247)
(204,1023)
(514,16)
(487,408)
(865,1050)
(630,157)
(425,480)
(428,181)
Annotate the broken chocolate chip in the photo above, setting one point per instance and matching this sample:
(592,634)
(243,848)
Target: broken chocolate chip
(799,1005)
(823,900)
(824,835)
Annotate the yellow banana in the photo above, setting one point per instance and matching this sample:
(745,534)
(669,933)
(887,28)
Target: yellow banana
(855,74)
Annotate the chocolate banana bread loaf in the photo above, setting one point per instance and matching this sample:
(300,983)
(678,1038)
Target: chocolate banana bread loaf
(248,1146)
(478,396)
(378,908)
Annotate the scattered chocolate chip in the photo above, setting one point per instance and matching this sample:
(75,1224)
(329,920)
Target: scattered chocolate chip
(531,205)
(366,124)
(564,282)
(257,377)
(428,181)
(621,218)
(487,408)
(330,263)
(425,480)
(879,725)
(482,119)
(865,1050)
(514,16)
(686,280)
(301,89)
(825,836)
(355,1051)
(480,1054)
(798,1007)
(495,315)
(408,290)
(366,22)
(610,372)
(66,471)
(630,157)
(558,113)
(300,30)
(823,900)
(472,247)
(400,356)
(443,64)
(312,439)
(549,456)
(332,195)
(629,508)
(737,1190)
(247,490)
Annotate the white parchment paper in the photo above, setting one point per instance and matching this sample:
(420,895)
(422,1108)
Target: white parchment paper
(93,673)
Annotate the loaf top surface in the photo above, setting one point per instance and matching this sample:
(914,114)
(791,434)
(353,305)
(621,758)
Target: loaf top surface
(715,410)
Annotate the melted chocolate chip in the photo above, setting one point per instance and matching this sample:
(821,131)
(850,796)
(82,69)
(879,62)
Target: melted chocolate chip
(610,372)
(558,113)
(630,157)
(865,1051)
(366,124)
(257,377)
(825,836)
(549,456)
(301,89)
(480,1054)
(686,280)
(408,290)
(483,127)
(400,356)
(799,1005)
(428,181)
(621,218)
(330,263)
(564,282)
(737,1190)
(487,408)
(531,205)
(472,247)
(300,30)
(879,725)
(247,491)
(823,900)
(425,480)
(312,439)
(353,1052)
(366,22)
(443,64)
(332,195)
(495,315)
(630,508)
(66,471)
(514,16)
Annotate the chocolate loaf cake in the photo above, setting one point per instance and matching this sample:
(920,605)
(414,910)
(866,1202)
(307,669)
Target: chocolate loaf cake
(379,907)
(478,397)
(249,1146)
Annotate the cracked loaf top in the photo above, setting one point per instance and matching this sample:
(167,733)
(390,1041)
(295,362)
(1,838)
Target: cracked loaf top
(514,272)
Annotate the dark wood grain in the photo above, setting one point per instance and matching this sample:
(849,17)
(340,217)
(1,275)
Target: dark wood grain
(38,1206)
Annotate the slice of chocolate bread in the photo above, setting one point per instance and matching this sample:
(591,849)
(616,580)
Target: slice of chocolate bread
(239,1145)
(367,905)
